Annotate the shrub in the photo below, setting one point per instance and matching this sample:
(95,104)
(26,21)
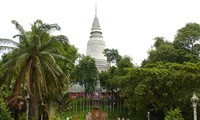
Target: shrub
(4,113)
(174,115)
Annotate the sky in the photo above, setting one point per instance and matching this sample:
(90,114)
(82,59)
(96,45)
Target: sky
(127,25)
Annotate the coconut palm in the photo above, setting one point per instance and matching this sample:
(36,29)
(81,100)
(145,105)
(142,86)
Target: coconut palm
(32,66)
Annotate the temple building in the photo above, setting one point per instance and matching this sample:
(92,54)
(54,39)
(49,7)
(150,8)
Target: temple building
(96,45)
(77,91)
(100,99)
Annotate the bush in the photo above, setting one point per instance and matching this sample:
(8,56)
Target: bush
(174,115)
(4,113)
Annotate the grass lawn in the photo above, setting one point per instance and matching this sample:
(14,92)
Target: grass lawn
(121,112)
(111,115)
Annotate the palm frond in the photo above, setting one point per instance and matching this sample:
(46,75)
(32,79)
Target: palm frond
(49,27)
(23,39)
(29,77)
(8,73)
(18,82)
(46,45)
(40,70)
(56,72)
(21,61)
(58,69)
(61,57)
(54,44)
(8,64)
(23,33)
(61,38)
(50,70)
(6,48)
(8,42)
(40,78)
(48,56)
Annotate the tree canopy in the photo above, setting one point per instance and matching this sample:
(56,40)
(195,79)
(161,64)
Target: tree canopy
(188,38)
(112,55)
(160,86)
(184,48)
(86,73)
(33,65)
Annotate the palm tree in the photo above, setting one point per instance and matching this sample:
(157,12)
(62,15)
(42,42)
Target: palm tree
(33,64)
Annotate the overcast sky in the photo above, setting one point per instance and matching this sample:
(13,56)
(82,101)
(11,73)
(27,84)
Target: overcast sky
(127,25)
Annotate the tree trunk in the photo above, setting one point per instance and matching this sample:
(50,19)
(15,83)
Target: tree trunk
(30,109)
(16,115)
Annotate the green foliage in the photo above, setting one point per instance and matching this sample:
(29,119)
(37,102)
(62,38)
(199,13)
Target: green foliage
(160,86)
(71,53)
(63,102)
(125,62)
(4,113)
(188,37)
(35,65)
(159,41)
(111,115)
(23,116)
(165,51)
(54,114)
(112,55)
(112,74)
(5,91)
(184,48)
(86,72)
(104,75)
(174,115)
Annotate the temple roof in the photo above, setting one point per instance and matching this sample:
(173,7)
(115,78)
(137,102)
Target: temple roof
(77,88)
(96,26)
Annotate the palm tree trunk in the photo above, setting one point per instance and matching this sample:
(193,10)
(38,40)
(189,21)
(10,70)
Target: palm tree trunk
(16,115)
(30,108)
(30,88)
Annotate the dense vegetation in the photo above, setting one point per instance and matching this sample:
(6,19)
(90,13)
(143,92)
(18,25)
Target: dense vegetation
(36,68)
(40,67)
(165,80)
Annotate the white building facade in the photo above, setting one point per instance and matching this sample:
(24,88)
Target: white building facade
(96,45)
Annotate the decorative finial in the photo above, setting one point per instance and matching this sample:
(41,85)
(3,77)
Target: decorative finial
(96,9)
(97,76)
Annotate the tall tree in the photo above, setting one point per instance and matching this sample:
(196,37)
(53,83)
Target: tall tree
(125,62)
(188,38)
(160,87)
(117,71)
(165,51)
(112,55)
(33,64)
(86,72)
(162,50)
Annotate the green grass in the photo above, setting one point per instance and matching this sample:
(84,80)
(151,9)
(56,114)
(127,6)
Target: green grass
(111,115)
(112,112)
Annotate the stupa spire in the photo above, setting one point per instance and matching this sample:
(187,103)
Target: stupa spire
(96,9)
(96,45)
(96,29)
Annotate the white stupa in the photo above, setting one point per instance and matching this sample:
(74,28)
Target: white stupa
(96,45)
